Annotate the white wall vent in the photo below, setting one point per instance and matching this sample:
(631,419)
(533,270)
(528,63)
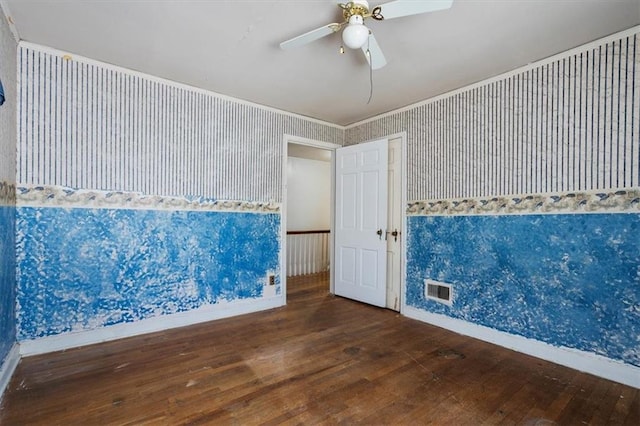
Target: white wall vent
(437,291)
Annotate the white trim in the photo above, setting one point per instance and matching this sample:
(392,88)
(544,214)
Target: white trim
(530,66)
(403,215)
(149,325)
(89,61)
(310,142)
(332,225)
(403,235)
(283,216)
(578,360)
(9,367)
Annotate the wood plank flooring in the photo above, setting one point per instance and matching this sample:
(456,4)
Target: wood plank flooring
(319,360)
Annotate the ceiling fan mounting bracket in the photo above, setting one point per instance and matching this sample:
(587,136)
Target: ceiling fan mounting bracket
(360,8)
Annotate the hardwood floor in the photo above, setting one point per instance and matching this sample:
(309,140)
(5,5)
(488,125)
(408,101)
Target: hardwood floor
(319,360)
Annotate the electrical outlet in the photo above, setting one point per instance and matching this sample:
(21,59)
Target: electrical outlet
(272,279)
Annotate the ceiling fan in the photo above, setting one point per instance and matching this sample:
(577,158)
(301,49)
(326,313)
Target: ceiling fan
(356,35)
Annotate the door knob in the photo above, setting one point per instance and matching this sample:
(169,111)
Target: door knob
(379,232)
(395,234)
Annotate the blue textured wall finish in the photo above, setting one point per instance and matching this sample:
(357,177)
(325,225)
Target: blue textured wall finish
(568,280)
(7,280)
(80,269)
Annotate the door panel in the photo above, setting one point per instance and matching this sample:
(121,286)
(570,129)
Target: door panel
(361,211)
(348,215)
(369,258)
(347,259)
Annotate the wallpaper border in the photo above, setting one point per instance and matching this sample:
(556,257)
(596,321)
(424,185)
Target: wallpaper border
(60,196)
(604,201)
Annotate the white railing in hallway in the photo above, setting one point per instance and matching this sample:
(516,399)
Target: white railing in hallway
(307,252)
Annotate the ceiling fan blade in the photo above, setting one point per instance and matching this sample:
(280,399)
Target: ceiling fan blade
(373,53)
(400,8)
(310,36)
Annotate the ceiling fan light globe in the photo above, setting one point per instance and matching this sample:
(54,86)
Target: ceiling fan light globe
(355,35)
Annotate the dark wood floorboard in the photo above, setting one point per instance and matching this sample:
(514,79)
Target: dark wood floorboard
(319,360)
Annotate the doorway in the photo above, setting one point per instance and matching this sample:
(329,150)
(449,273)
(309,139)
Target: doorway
(308,210)
(303,150)
(307,214)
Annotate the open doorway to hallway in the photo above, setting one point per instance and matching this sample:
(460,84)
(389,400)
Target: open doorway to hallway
(308,177)
(308,210)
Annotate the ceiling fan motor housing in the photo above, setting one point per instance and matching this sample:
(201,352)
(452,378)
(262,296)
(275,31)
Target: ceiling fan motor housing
(358,7)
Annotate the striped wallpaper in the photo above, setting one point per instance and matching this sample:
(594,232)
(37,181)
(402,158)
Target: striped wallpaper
(83,124)
(572,124)
(8,109)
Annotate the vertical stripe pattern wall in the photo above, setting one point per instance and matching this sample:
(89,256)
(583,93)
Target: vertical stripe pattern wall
(8,109)
(571,124)
(83,124)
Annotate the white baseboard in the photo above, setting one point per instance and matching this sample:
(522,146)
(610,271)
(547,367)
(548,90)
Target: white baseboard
(149,325)
(8,367)
(587,362)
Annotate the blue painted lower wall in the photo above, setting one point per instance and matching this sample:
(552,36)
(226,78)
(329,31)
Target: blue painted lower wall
(568,280)
(7,280)
(80,269)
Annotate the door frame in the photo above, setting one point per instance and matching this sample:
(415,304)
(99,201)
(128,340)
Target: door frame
(403,215)
(283,211)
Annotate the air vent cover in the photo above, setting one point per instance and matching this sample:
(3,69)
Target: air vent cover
(438,291)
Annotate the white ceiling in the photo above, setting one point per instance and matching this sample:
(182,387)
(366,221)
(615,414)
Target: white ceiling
(232,47)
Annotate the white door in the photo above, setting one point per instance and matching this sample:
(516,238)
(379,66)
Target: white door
(394,224)
(361,221)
